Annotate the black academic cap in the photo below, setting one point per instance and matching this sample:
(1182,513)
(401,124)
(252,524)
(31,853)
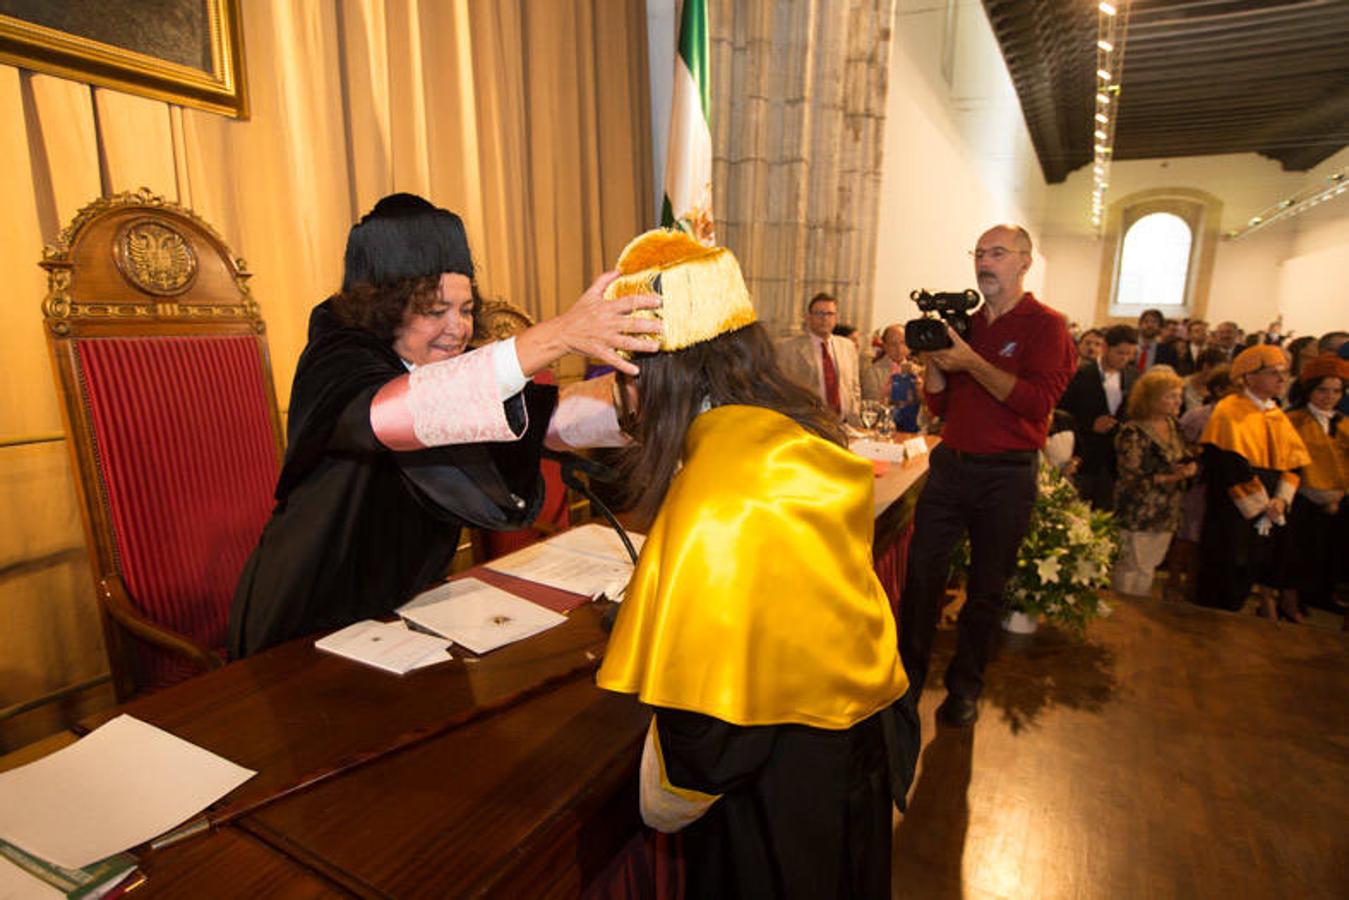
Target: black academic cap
(404,236)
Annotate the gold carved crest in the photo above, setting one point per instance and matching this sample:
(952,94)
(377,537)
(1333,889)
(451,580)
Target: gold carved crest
(155,257)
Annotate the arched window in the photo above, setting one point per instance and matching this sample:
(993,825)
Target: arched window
(1155,262)
(1158,254)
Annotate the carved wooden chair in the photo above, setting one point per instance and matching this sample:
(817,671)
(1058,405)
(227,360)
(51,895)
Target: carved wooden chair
(161,362)
(496,321)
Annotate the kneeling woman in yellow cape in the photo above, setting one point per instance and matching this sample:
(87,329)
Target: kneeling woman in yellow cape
(754,624)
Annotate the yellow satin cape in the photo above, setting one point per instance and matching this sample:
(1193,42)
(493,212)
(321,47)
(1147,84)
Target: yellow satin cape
(755,600)
(1265,438)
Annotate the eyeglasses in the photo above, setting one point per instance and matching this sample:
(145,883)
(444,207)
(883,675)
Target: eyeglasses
(821,314)
(1277,373)
(997,253)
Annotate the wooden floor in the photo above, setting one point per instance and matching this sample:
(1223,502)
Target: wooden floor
(1176,752)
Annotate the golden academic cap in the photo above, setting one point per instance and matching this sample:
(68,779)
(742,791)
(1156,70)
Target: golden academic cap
(701,287)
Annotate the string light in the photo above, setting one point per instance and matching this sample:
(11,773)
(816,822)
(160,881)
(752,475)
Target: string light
(1110,39)
(1313,195)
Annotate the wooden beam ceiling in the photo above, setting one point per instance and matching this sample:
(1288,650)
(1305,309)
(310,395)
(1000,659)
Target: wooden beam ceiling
(1200,77)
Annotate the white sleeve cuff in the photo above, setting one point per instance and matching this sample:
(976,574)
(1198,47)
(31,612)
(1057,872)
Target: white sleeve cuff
(510,377)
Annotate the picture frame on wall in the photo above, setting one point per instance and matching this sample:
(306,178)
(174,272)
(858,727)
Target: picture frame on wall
(188,52)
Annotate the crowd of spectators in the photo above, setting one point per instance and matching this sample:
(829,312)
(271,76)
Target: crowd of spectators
(1245,504)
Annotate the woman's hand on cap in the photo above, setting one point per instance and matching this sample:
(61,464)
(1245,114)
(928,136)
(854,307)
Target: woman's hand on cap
(593,327)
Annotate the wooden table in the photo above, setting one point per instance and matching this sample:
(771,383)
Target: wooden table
(507,775)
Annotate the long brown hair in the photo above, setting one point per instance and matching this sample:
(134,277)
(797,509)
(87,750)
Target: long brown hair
(739,367)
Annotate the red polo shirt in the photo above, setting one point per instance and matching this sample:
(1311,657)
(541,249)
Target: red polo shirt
(1031,341)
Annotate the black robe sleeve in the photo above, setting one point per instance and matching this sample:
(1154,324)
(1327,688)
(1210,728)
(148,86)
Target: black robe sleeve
(359,529)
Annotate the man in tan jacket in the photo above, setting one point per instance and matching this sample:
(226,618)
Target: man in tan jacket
(823,361)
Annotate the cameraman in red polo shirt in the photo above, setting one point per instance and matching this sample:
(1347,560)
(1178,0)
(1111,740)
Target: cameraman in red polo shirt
(996,393)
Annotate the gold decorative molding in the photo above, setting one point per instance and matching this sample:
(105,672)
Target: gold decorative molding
(155,257)
(218,86)
(499,320)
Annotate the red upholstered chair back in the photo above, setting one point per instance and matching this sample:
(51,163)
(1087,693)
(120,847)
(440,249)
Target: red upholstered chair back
(163,370)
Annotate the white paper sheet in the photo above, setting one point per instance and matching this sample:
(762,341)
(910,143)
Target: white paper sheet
(915,446)
(885,451)
(119,786)
(477,615)
(598,540)
(386,645)
(567,570)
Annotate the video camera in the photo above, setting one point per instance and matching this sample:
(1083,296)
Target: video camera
(926,333)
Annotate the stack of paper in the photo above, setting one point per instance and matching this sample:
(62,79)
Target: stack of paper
(477,615)
(586,560)
(386,645)
(117,787)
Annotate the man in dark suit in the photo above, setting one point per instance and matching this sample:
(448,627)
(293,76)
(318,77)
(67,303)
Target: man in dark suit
(1095,398)
(1227,338)
(1151,350)
(1196,342)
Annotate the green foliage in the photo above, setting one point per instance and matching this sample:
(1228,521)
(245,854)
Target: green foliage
(1064,560)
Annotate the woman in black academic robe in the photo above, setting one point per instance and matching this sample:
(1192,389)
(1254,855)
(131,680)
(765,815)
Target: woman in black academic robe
(399,435)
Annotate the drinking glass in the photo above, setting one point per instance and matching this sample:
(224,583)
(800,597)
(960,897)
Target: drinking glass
(870,414)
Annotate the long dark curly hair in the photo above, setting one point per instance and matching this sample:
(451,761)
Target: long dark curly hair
(739,367)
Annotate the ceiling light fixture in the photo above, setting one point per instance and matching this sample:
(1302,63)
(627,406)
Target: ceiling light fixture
(1111,29)
(1314,194)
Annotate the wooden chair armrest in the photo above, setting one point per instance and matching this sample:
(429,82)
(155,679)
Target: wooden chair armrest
(113,595)
(547,529)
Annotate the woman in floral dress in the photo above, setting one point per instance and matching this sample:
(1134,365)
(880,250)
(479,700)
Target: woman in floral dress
(1153,467)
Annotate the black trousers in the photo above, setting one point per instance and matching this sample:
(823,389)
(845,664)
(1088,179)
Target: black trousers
(992,503)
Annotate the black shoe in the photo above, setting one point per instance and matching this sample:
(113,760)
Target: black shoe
(957,711)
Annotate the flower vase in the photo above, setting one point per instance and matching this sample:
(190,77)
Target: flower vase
(1018,622)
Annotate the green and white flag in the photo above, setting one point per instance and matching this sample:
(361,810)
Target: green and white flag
(688,161)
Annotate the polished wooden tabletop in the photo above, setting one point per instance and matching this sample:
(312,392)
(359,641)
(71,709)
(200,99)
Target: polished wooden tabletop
(299,716)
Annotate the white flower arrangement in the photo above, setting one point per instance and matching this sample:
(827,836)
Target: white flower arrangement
(1065,559)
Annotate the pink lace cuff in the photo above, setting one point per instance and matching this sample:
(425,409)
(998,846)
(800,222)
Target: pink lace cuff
(585,416)
(456,401)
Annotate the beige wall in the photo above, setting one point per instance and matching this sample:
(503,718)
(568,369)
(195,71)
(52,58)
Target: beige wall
(1283,269)
(958,158)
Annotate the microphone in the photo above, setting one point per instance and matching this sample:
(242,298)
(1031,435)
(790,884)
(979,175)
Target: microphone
(571,463)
